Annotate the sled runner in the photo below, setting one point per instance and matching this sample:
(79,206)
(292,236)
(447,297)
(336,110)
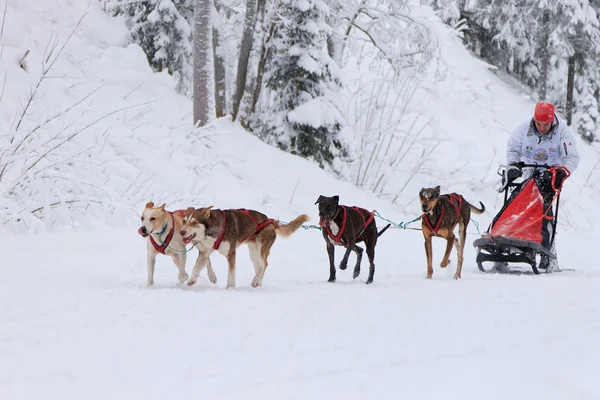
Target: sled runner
(515,234)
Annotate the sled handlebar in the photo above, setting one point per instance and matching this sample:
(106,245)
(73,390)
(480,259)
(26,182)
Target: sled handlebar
(503,172)
(534,166)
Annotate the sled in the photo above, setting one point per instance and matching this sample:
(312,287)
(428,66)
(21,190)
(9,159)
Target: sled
(515,234)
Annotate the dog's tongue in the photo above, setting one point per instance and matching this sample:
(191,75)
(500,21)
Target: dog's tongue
(188,239)
(140,232)
(322,222)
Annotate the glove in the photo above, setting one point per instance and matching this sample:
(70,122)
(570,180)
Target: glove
(560,174)
(514,173)
(519,164)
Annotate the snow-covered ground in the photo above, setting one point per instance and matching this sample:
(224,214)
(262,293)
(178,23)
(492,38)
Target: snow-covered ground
(77,322)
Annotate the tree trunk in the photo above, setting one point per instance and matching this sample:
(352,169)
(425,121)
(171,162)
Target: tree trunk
(202,50)
(219,67)
(544,58)
(570,89)
(259,78)
(264,56)
(246,47)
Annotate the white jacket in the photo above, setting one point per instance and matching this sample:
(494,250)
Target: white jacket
(555,148)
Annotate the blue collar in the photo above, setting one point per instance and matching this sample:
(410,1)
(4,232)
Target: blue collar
(163,229)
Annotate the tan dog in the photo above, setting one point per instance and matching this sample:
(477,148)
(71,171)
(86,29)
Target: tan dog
(441,214)
(225,230)
(161,228)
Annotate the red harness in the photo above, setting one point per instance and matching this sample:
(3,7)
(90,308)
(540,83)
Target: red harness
(456,201)
(258,227)
(220,238)
(366,222)
(163,247)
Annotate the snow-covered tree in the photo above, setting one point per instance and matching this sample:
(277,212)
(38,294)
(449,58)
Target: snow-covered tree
(163,33)
(303,115)
(552,46)
(449,10)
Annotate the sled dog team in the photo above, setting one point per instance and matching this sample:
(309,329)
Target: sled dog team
(223,231)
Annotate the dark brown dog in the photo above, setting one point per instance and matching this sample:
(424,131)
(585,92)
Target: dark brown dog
(441,214)
(225,230)
(346,226)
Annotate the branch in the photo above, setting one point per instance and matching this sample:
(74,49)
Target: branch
(42,156)
(376,45)
(22,61)
(49,51)
(54,117)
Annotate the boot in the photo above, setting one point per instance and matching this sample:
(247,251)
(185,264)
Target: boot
(549,264)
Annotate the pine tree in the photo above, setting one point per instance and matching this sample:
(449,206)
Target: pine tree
(163,33)
(449,10)
(303,117)
(534,40)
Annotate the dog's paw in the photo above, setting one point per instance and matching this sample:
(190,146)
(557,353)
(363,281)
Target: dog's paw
(212,278)
(343,265)
(444,264)
(191,282)
(429,276)
(369,281)
(149,283)
(256,282)
(457,276)
(331,279)
(183,278)
(355,274)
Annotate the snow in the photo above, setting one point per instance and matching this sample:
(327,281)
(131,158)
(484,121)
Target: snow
(76,320)
(316,113)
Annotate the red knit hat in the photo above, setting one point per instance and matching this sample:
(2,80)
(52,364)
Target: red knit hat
(544,112)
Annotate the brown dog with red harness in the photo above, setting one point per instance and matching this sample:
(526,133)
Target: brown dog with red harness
(225,230)
(441,214)
(162,228)
(345,226)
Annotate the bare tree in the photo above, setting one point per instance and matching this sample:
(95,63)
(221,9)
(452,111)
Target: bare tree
(246,47)
(219,65)
(265,54)
(544,56)
(570,89)
(202,66)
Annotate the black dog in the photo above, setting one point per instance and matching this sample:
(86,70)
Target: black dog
(346,226)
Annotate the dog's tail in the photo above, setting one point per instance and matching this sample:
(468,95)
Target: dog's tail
(291,227)
(383,230)
(475,209)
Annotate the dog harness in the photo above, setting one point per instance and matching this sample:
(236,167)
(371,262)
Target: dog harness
(366,222)
(163,247)
(456,201)
(258,227)
(220,238)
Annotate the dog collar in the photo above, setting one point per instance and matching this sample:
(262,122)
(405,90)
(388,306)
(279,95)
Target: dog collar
(163,247)
(163,229)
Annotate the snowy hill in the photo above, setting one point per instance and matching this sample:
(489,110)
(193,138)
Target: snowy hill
(76,320)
